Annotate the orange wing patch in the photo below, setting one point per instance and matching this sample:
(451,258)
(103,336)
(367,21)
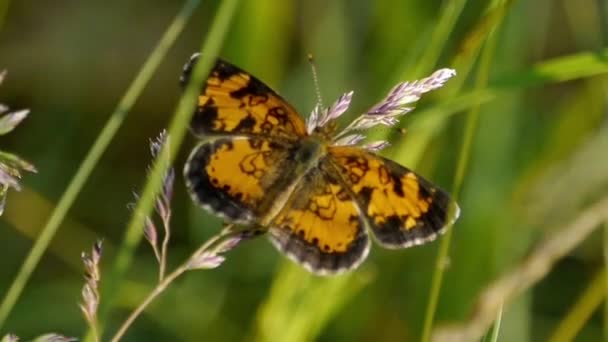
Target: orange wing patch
(321,226)
(403,209)
(235,177)
(234,102)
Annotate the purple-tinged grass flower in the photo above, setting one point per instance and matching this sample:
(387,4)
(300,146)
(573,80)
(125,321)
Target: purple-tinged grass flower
(212,257)
(375,146)
(205,260)
(162,204)
(398,102)
(338,108)
(10,164)
(90,290)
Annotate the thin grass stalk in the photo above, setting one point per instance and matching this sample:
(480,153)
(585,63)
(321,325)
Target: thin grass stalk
(605,320)
(92,158)
(523,276)
(177,131)
(445,26)
(461,169)
(497,323)
(212,243)
(602,6)
(581,311)
(163,253)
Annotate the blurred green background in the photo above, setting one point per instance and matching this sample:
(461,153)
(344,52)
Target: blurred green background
(538,158)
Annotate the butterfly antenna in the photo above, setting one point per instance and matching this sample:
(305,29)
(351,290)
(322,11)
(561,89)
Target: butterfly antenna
(311,60)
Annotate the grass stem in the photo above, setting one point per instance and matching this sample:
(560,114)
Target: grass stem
(461,169)
(582,310)
(177,131)
(92,158)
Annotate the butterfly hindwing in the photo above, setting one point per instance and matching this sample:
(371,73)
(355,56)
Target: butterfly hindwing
(234,102)
(402,208)
(321,226)
(236,177)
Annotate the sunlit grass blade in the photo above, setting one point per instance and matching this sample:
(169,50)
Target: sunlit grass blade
(299,305)
(177,130)
(451,99)
(559,69)
(527,273)
(580,313)
(496,327)
(461,169)
(92,158)
(605,247)
(439,38)
(429,121)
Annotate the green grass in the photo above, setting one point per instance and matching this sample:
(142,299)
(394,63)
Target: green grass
(517,136)
(92,158)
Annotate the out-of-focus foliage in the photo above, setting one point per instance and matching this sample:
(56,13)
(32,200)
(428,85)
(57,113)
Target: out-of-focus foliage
(538,159)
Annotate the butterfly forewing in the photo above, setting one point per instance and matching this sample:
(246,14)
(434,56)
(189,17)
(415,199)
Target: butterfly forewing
(232,102)
(402,208)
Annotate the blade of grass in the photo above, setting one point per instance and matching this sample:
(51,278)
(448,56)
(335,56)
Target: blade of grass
(603,18)
(461,169)
(496,328)
(444,27)
(177,130)
(582,310)
(313,313)
(299,305)
(556,70)
(417,141)
(605,320)
(559,69)
(65,246)
(531,270)
(426,63)
(92,158)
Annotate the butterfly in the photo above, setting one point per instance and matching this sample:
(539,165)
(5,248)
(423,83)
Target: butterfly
(315,191)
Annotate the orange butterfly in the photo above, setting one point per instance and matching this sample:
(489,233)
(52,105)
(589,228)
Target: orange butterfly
(314,190)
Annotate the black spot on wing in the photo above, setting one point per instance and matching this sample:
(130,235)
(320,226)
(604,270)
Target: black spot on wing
(254,88)
(393,232)
(246,124)
(204,118)
(224,70)
(365,196)
(397,185)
